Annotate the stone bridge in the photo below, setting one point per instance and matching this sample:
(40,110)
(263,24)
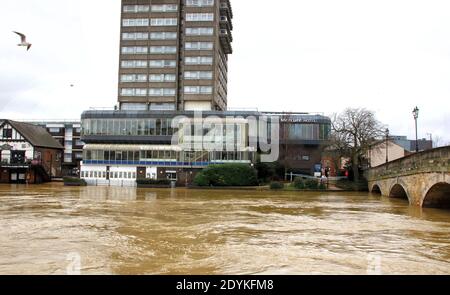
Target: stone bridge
(422,178)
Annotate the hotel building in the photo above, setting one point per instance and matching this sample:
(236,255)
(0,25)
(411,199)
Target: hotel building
(122,146)
(174,54)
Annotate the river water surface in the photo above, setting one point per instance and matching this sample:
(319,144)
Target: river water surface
(51,229)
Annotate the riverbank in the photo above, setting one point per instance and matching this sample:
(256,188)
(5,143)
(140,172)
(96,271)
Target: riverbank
(267,188)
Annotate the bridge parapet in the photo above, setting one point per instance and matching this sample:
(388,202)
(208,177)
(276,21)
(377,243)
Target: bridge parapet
(431,161)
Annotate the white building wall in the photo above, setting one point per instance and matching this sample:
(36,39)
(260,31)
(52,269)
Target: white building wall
(118,175)
(378,153)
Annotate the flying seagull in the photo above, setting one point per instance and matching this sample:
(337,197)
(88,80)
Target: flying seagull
(23,40)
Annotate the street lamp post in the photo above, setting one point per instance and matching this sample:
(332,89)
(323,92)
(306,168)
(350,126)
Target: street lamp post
(387,145)
(416,116)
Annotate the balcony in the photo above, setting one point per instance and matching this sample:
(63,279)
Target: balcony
(225,23)
(225,40)
(225,8)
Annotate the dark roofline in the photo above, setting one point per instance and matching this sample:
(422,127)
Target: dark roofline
(42,138)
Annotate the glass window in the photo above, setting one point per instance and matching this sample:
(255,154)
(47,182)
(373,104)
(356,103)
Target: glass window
(165,8)
(136,8)
(199,17)
(135,22)
(199,31)
(199,3)
(159,22)
(106,155)
(199,45)
(135,36)
(158,126)
(163,36)
(152,126)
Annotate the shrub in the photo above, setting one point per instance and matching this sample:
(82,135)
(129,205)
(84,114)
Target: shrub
(311,184)
(227,175)
(74,181)
(299,183)
(201,180)
(159,182)
(275,185)
(269,171)
(322,186)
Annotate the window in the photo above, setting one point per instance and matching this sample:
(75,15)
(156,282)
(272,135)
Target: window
(133,78)
(135,22)
(162,92)
(163,78)
(78,142)
(199,31)
(78,155)
(199,45)
(199,60)
(165,8)
(68,158)
(135,36)
(160,22)
(198,90)
(163,36)
(134,64)
(163,64)
(7,133)
(199,3)
(136,8)
(134,106)
(134,50)
(199,17)
(163,50)
(134,92)
(198,75)
(162,107)
(54,130)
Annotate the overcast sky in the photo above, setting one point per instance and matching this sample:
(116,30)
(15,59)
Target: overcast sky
(289,55)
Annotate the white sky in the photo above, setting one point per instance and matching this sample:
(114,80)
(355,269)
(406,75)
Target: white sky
(290,55)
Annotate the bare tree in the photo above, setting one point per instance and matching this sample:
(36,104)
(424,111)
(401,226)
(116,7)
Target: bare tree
(438,141)
(353,132)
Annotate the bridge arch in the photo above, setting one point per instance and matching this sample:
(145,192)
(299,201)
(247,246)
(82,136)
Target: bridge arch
(398,191)
(437,196)
(376,189)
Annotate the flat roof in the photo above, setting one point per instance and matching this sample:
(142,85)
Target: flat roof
(284,117)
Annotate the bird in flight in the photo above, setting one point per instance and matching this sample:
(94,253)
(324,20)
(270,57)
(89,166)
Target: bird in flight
(23,40)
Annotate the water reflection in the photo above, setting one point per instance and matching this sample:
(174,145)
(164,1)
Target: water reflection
(140,231)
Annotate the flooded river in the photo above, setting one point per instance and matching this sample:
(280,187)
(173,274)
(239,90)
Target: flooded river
(52,229)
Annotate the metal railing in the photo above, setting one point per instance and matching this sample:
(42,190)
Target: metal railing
(293,176)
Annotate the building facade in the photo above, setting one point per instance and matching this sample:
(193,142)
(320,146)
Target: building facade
(410,145)
(68,134)
(123,146)
(174,54)
(28,154)
(376,155)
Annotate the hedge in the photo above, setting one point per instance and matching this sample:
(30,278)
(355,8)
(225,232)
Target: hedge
(73,181)
(275,185)
(312,184)
(162,182)
(227,175)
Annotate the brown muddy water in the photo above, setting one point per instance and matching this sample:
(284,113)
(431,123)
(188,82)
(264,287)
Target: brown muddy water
(51,229)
